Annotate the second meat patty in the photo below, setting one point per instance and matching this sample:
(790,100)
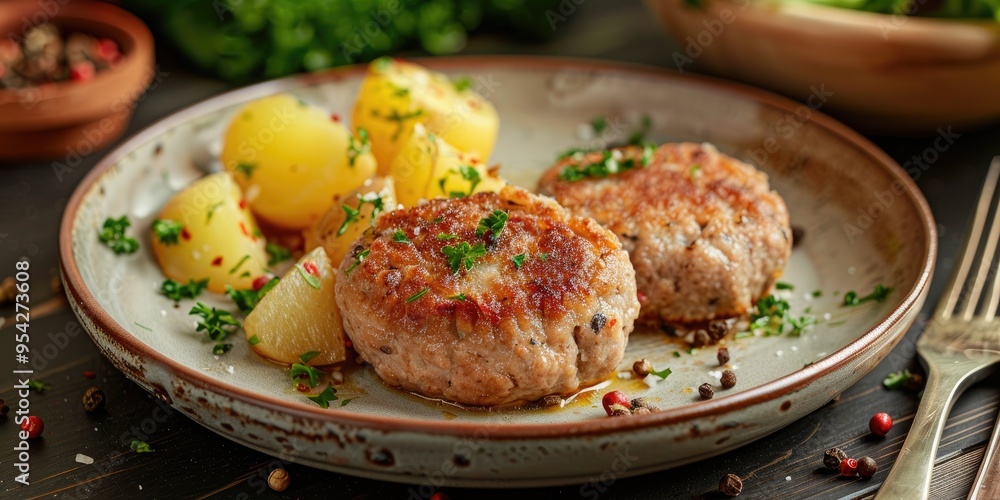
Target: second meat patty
(706,234)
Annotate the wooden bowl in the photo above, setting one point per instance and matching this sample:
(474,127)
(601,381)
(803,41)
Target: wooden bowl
(73,119)
(881,73)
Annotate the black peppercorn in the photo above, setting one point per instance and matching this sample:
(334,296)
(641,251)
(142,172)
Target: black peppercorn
(722,356)
(717,329)
(867,467)
(620,411)
(597,322)
(706,391)
(639,403)
(728,379)
(832,458)
(93,400)
(701,338)
(642,367)
(730,485)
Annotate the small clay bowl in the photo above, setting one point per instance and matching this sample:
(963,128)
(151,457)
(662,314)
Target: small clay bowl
(73,119)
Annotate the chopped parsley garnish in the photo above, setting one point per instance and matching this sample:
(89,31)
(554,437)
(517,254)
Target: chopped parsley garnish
(771,316)
(663,374)
(492,224)
(38,386)
(446,236)
(400,237)
(543,256)
(608,165)
(140,446)
(468,173)
(463,254)
(357,147)
(462,83)
(639,136)
(310,278)
(572,152)
(783,286)
(323,399)
(246,168)
(343,402)
(354,213)
(677,354)
(395,116)
(220,349)
(113,235)
(301,372)
(599,124)
(216,324)
(306,356)
(167,231)
(253,340)
(247,300)
(518,260)
(211,211)
(277,253)
(239,263)
(358,259)
(693,171)
(459,297)
(896,380)
(177,292)
(878,295)
(817,293)
(417,295)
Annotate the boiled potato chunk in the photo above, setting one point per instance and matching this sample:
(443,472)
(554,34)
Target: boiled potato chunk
(335,233)
(396,95)
(299,315)
(428,167)
(207,231)
(291,159)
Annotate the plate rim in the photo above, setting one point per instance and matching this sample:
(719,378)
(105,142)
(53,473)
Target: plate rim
(774,389)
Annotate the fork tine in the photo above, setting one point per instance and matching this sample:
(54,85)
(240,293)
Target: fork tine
(993,299)
(983,271)
(955,286)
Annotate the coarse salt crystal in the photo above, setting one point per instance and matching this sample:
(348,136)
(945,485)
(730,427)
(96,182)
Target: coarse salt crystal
(779,353)
(795,348)
(83,459)
(826,316)
(230,369)
(715,374)
(625,375)
(788,478)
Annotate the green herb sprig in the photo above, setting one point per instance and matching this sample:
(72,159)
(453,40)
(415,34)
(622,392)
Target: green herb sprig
(113,235)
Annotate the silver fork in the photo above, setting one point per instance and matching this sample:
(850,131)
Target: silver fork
(959,347)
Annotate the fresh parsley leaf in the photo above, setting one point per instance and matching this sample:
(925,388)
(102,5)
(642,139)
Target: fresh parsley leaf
(493,224)
(352,217)
(599,124)
(398,118)
(417,295)
(323,399)
(358,259)
(216,324)
(400,237)
(677,354)
(211,211)
(113,235)
(663,374)
(38,386)
(357,147)
(306,356)
(221,349)
(140,446)
(459,297)
(771,317)
(463,254)
(277,253)
(898,379)
(783,286)
(446,236)
(253,340)
(310,278)
(301,372)
(246,168)
(238,264)
(639,136)
(247,300)
(462,83)
(543,256)
(518,260)
(817,293)
(343,402)
(167,231)
(878,295)
(353,214)
(177,292)
(799,324)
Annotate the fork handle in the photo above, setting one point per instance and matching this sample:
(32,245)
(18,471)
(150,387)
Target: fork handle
(910,477)
(987,485)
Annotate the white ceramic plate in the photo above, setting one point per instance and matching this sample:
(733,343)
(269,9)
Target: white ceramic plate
(830,177)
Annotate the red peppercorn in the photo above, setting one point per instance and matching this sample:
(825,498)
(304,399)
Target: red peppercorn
(880,424)
(89,374)
(302,388)
(108,50)
(335,117)
(615,398)
(259,282)
(311,268)
(34,426)
(848,467)
(82,71)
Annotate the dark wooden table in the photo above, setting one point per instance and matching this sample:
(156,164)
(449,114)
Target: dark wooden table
(191,461)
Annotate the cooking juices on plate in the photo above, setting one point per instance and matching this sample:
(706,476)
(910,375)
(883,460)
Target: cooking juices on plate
(451,283)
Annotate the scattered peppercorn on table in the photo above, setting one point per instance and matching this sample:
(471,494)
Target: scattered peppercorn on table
(128,443)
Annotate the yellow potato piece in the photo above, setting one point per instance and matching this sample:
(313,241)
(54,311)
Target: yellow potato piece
(291,159)
(297,316)
(219,240)
(396,95)
(374,197)
(428,167)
